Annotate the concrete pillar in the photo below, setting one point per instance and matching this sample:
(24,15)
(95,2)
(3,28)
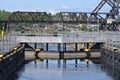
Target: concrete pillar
(76,63)
(42,45)
(59,47)
(35,45)
(61,55)
(64,47)
(87,45)
(76,47)
(36,55)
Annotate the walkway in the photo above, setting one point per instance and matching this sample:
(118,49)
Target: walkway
(96,37)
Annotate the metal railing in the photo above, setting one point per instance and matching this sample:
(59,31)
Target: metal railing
(70,37)
(9,42)
(12,40)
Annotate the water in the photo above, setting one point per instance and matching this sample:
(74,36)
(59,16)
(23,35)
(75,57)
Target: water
(41,71)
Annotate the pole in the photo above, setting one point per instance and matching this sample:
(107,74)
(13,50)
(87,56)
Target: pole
(46,46)
(64,47)
(76,46)
(59,47)
(98,24)
(35,45)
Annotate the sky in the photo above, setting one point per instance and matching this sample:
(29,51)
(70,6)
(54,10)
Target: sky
(52,6)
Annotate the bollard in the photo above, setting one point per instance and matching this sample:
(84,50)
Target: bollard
(15,50)
(1,57)
(23,45)
(86,50)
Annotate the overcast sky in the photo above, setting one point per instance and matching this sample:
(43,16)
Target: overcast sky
(52,6)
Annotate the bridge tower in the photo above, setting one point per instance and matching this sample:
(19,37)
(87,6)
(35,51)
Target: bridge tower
(111,19)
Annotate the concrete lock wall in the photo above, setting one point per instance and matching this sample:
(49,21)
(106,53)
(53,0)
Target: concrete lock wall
(111,58)
(11,62)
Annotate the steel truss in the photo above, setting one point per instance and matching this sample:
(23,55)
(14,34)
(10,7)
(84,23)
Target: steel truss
(72,17)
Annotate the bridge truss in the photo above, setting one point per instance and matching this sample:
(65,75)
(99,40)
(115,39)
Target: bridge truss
(94,17)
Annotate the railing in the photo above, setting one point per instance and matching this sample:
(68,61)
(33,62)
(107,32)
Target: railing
(39,39)
(12,40)
(8,43)
(70,37)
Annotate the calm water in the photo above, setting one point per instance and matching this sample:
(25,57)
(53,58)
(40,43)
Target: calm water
(40,71)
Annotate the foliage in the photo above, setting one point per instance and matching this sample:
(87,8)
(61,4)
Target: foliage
(0,31)
(4,15)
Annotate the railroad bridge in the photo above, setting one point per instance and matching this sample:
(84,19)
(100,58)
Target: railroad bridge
(84,43)
(107,20)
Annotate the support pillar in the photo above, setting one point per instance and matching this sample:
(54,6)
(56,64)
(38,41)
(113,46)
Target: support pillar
(64,47)
(76,47)
(46,46)
(59,47)
(87,45)
(35,45)
(42,45)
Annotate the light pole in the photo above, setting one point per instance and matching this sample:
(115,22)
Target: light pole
(114,51)
(88,26)
(98,24)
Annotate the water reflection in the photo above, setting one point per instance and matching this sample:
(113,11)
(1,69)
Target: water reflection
(40,71)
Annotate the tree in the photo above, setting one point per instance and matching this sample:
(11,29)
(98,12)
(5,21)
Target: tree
(3,17)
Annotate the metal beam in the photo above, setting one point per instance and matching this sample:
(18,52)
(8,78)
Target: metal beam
(100,5)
